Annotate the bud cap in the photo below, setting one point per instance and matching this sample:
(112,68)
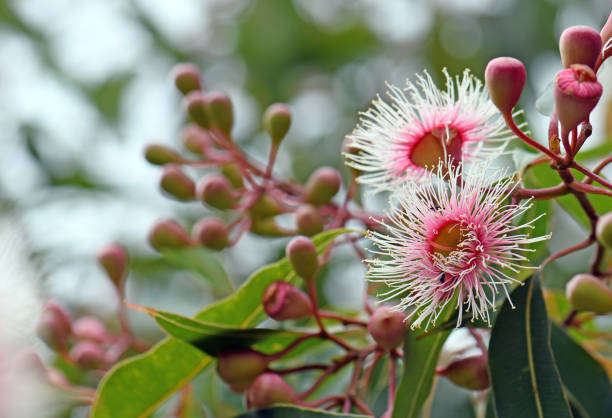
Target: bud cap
(239,367)
(186,77)
(469,372)
(387,327)
(284,301)
(505,78)
(587,293)
(277,121)
(114,259)
(159,154)
(196,108)
(90,328)
(216,191)
(167,233)
(176,183)
(579,45)
(308,219)
(302,255)
(212,233)
(220,110)
(322,185)
(54,324)
(88,355)
(269,389)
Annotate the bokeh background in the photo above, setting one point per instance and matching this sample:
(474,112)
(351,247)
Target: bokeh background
(84,86)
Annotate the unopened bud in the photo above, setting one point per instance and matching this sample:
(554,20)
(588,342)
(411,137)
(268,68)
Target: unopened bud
(269,389)
(197,140)
(283,301)
(233,174)
(114,260)
(54,325)
(176,183)
(579,45)
(577,91)
(387,327)
(266,226)
(322,185)
(277,121)
(196,108)
(469,372)
(168,234)
(302,255)
(88,355)
(212,233)
(308,219)
(216,191)
(266,205)
(505,78)
(159,155)
(90,328)
(239,367)
(186,77)
(588,293)
(603,231)
(220,110)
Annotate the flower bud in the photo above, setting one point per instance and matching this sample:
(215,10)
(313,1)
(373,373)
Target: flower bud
(167,234)
(212,233)
(302,255)
(282,301)
(186,77)
(577,91)
(387,327)
(266,205)
(239,367)
(54,325)
(579,45)
(269,389)
(216,191)
(220,111)
(606,37)
(114,260)
(469,372)
(505,78)
(587,293)
(603,231)
(159,155)
(90,328)
(196,108)
(231,172)
(88,355)
(277,121)
(197,140)
(176,183)
(266,226)
(322,185)
(308,219)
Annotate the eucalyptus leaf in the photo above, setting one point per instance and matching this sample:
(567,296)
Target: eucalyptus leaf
(545,103)
(294,412)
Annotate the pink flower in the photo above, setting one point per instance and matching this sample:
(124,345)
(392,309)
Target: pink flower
(423,125)
(446,240)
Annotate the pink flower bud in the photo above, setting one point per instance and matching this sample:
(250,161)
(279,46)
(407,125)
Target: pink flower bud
(88,355)
(212,233)
(231,171)
(469,372)
(577,91)
(220,110)
(322,185)
(186,77)
(238,367)
(196,108)
(267,390)
(114,260)
(302,255)
(277,121)
(90,328)
(167,234)
(197,140)
(176,183)
(216,191)
(588,293)
(282,301)
(387,327)
(159,155)
(505,78)
(308,219)
(54,325)
(579,45)
(603,231)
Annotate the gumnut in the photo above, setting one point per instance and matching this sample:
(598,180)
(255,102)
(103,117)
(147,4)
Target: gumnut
(588,293)
(309,220)
(387,327)
(302,255)
(277,120)
(216,191)
(603,230)
(269,389)
(212,233)
(220,111)
(505,78)
(88,355)
(468,372)
(186,77)
(114,260)
(167,234)
(239,367)
(322,185)
(196,108)
(159,155)
(266,226)
(231,171)
(90,328)
(54,325)
(576,92)
(266,205)
(282,301)
(197,140)
(176,183)
(579,45)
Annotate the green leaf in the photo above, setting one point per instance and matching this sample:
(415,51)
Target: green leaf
(545,103)
(451,400)
(599,151)
(585,380)
(294,412)
(130,389)
(524,376)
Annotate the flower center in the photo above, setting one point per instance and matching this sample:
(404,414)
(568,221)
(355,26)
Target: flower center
(435,146)
(447,238)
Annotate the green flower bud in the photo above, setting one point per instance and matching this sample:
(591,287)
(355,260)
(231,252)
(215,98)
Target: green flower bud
(308,220)
(233,174)
(176,183)
(266,206)
(220,110)
(196,108)
(469,372)
(387,327)
(159,155)
(277,121)
(283,301)
(216,191)
(186,77)
(114,260)
(266,226)
(269,389)
(603,230)
(302,255)
(239,367)
(587,293)
(197,140)
(168,234)
(212,233)
(322,185)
